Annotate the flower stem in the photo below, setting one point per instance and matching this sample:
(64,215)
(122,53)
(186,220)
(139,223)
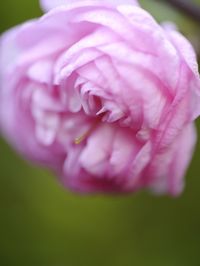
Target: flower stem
(188,7)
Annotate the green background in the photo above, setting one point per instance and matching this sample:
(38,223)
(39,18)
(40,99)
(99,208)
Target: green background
(42,224)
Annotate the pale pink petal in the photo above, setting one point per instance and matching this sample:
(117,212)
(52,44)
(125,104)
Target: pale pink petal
(187,52)
(41,71)
(50,4)
(9,51)
(183,46)
(19,128)
(94,157)
(168,168)
(123,154)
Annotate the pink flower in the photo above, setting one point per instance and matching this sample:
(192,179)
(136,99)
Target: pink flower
(101,94)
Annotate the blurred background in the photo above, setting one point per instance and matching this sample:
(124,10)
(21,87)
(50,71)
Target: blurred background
(42,224)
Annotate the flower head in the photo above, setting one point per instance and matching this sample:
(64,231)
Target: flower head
(102,94)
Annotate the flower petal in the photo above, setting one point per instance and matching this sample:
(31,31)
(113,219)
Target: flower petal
(50,4)
(168,168)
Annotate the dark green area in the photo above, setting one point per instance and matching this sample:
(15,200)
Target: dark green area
(41,224)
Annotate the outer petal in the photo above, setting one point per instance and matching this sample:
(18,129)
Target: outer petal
(16,121)
(19,128)
(186,51)
(49,4)
(168,167)
(9,51)
(183,46)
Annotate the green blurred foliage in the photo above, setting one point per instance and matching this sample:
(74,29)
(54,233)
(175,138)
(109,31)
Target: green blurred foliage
(42,224)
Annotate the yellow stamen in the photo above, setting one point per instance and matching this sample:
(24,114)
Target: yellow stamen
(78,140)
(81,138)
